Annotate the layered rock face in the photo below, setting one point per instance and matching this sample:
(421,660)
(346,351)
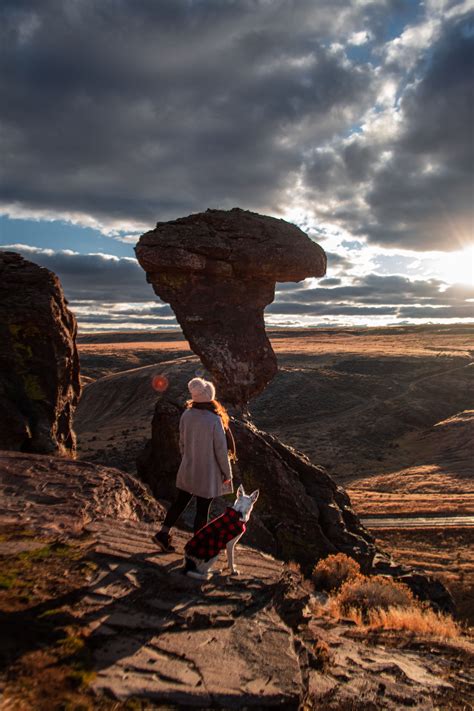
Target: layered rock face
(218,270)
(39,367)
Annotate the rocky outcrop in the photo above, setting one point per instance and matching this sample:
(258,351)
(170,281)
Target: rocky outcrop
(39,368)
(424,587)
(218,270)
(64,495)
(302,514)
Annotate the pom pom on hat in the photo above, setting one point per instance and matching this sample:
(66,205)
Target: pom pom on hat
(201,390)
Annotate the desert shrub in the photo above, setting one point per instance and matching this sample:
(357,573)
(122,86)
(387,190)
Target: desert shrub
(322,656)
(331,572)
(363,594)
(417,619)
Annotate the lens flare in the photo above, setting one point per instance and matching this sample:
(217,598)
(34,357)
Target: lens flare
(160,383)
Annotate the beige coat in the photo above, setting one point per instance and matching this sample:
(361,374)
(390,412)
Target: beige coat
(205,463)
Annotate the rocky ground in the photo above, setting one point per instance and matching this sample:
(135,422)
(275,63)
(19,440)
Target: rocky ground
(109,623)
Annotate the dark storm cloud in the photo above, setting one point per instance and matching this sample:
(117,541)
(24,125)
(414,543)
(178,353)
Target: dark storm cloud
(338,261)
(94,277)
(417,187)
(374,295)
(330,309)
(117,321)
(425,193)
(434,313)
(394,289)
(331,281)
(144,110)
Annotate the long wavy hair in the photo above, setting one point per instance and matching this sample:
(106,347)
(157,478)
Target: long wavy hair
(214,406)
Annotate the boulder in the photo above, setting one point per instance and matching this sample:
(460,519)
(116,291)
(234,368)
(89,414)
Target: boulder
(301,515)
(57,494)
(217,270)
(39,367)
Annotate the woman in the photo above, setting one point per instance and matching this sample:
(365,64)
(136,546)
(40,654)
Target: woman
(207,448)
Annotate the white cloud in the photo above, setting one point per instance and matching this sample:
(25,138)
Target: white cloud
(360,38)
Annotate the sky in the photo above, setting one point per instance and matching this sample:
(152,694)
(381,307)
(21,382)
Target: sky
(354,120)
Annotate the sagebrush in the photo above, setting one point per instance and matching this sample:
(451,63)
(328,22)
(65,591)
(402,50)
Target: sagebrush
(331,572)
(363,594)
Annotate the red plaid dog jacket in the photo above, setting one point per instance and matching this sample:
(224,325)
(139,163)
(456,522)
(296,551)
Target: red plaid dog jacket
(211,539)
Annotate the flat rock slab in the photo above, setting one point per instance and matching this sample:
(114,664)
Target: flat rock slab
(165,636)
(62,495)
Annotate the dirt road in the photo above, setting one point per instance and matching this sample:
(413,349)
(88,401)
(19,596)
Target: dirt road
(418,522)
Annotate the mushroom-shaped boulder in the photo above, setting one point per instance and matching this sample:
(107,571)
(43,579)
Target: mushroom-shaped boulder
(217,270)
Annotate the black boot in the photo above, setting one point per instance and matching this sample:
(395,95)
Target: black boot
(164,541)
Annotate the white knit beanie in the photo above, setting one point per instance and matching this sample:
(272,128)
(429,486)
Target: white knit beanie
(201,390)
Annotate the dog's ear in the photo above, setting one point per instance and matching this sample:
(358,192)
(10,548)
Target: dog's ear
(240,492)
(254,495)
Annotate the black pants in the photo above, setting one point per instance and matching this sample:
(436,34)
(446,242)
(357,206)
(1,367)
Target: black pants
(180,503)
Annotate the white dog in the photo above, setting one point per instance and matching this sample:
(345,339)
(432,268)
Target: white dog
(202,551)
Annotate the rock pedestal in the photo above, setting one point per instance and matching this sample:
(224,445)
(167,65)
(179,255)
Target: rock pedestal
(217,270)
(39,367)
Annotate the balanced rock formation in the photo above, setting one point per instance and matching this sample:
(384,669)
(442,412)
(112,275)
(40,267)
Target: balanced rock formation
(39,368)
(301,515)
(217,270)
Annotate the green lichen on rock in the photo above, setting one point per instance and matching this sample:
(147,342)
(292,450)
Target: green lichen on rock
(21,349)
(33,387)
(174,280)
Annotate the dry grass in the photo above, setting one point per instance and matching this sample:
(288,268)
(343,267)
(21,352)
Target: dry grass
(331,572)
(383,342)
(379,603)
(366,594)
(419,620)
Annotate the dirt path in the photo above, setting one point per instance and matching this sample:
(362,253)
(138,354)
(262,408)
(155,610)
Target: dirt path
(418,521)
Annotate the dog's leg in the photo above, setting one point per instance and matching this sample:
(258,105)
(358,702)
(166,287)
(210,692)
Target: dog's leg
(230,554)
(208,566)
(202,569)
